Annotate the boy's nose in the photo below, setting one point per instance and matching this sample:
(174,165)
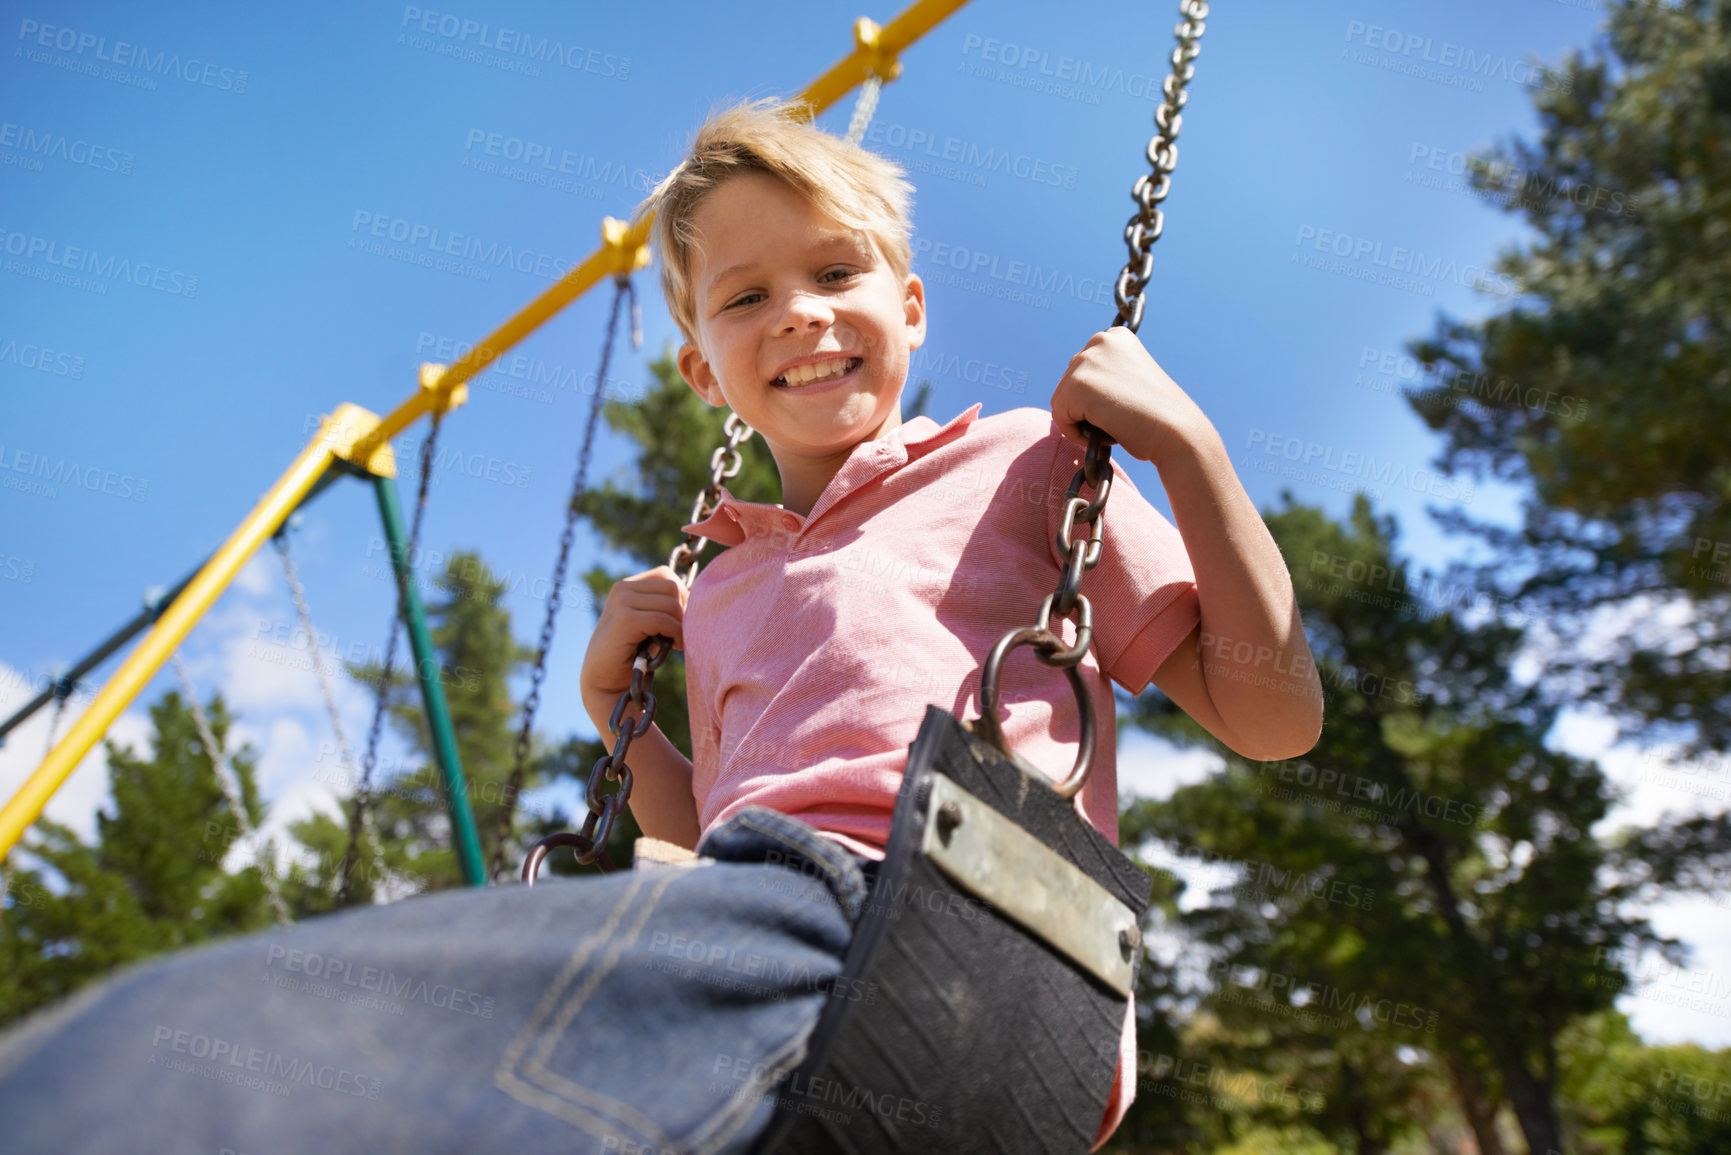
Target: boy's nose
(804,310)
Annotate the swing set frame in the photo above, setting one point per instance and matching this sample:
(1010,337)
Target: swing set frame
(352,441)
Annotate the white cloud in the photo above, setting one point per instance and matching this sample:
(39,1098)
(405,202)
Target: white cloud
(1152,767)
(261,574)
(1691,1003)
(250,648)
(1666,1004)
(85,790)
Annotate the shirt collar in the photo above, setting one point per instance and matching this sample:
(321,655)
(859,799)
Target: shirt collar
(735,520)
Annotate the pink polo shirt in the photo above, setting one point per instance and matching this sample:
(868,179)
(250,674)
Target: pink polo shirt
(814,644)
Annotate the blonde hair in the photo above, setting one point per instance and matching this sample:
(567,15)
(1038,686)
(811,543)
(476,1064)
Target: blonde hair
(854,187)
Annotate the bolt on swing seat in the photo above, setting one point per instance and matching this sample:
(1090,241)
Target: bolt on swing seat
(1002,939)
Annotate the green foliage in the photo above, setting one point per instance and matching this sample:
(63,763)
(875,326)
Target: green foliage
(1608,385)
(153,881)
(1426,878)
(477,655)
(1624,1096)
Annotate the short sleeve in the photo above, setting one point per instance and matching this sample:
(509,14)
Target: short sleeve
(1143,590)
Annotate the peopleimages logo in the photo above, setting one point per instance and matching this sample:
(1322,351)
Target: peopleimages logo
(1009,275)
(431,241)
(461,32)
(40,143)
(1464,63)
(88,261)
(1400,260)
(53,471)
(122,54)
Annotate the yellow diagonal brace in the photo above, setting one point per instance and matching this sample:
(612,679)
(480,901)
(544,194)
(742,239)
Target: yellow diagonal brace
(337,437)
(621,244)
(623,249)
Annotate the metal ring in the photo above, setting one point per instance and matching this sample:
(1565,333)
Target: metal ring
(539,852)
(988,723)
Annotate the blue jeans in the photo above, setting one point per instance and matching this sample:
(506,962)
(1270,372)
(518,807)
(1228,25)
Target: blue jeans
(649,1011)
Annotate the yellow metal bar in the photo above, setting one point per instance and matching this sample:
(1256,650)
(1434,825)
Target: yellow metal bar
(336,438)
(914,22)
(624,247)
(356,436)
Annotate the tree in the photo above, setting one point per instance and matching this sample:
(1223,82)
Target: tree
(1627,1097)
(1607,386)
(1426,877)
(153,880)
(477,656)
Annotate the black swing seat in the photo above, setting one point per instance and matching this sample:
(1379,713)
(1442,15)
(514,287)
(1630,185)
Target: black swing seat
(1000,941)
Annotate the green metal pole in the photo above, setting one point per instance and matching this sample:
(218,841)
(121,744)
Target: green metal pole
(432,691)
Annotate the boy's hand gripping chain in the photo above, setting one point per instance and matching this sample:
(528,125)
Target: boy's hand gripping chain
(589,844)
(1140,233)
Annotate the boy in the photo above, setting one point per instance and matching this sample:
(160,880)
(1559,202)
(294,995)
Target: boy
(660,1011)
(901,551)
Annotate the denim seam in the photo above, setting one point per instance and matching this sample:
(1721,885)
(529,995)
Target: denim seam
(839,879)
(788,1056)
(528,1079)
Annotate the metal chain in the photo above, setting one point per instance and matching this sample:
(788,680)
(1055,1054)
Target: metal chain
(363,789)
(62,691)
(230,785)
(298,592)
(864,107)
(1150,190)
(59,709)
(651,653)
(1081,554)
(623,289)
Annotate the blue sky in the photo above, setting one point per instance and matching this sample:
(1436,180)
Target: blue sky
(238,161)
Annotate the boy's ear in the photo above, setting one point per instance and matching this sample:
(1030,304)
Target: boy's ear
(914,306)
(694,367)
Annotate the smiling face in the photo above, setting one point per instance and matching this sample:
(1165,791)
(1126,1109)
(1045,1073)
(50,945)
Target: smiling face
(803,328)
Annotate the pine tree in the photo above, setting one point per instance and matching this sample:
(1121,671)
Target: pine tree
(153,881)
(1606,386)
(477,656)
(1430,858)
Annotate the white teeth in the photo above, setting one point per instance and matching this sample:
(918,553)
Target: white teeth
(821,371)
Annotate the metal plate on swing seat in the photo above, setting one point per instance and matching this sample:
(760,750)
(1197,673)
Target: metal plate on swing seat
(1015,874)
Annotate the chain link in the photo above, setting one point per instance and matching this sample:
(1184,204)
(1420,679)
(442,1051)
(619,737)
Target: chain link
(346,760)
(1082,554)
(652,651)
(363,789)
(864,108)
(623,290)
(54,720)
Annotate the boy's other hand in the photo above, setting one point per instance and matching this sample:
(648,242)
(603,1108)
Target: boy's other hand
(1116,386)
(640,606)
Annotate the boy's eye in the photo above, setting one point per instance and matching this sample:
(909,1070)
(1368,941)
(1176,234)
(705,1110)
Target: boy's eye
(748,298)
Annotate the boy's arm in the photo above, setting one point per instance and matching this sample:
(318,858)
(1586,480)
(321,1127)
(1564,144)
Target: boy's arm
(661,797)
(1245,672)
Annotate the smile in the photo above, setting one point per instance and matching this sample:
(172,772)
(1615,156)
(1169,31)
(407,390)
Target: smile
(817,373)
